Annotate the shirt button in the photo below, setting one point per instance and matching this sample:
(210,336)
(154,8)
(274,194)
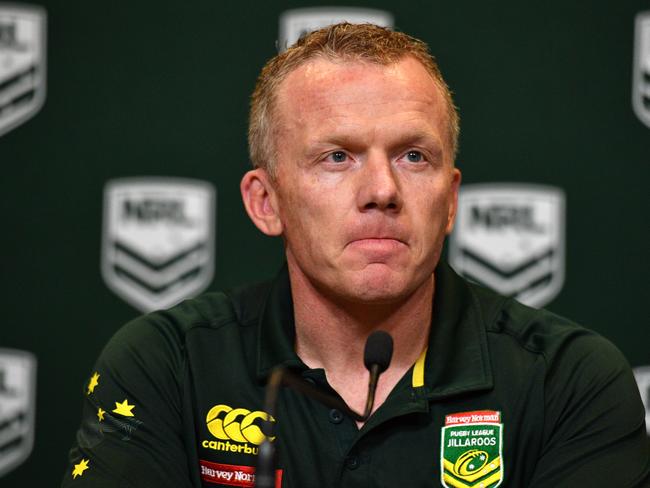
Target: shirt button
(336,417)
(352,462)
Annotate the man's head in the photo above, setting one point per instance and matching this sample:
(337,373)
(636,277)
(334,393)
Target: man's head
(364,187)
(338,43)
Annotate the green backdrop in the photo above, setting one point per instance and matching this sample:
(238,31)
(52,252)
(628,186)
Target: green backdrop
(161,89)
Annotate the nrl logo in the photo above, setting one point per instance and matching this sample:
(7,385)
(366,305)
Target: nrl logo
(642,376)
(158,241)
(17,407)
(22,64)
(641,83)
(471,450)
(511,238)
(301,21)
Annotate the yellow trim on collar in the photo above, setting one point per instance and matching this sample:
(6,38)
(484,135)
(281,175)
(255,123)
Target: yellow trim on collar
(418,370)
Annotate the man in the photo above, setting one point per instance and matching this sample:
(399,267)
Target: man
(353,135)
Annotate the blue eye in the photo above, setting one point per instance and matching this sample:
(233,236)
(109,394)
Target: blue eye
(339,156)
(414,156)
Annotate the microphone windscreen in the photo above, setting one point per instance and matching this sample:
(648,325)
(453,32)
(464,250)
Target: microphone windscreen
(379,350)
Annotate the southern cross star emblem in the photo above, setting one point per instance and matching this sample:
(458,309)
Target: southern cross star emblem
(94,381)
(80,467)
(124,408)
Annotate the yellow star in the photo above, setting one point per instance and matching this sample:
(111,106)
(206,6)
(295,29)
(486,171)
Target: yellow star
(124,408)
(100,414)
(80,468)
(94,381)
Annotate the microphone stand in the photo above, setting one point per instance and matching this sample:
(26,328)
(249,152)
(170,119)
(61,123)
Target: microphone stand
(265,471)
(281,376)
(377,356)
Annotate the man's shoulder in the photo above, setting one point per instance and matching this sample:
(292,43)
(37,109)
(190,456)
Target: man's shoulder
(236,307)
(539,331)
(240,305)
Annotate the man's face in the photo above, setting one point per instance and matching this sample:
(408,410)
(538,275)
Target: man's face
(365,188)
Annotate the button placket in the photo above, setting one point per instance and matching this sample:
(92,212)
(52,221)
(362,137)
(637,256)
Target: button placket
(335,416)
(352,462)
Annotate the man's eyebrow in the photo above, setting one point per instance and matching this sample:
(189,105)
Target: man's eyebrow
(421,137)
(346,139)
(329,140)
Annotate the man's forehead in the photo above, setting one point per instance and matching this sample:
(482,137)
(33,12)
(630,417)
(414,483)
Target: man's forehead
(323,97)
(324,88)
(318,73)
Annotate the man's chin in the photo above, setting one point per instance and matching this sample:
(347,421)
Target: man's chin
(378,288)
(378,298)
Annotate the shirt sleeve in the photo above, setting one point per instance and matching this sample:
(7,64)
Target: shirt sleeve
(131,427)
(594,432)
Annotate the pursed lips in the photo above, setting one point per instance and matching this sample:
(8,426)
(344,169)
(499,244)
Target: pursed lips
(385,243)
(379,239)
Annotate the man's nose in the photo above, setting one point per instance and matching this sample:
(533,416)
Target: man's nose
(378,185)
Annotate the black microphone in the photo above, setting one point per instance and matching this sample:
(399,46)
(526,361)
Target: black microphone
(376,357)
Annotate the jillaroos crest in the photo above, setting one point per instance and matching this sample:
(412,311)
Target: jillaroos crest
(462,465)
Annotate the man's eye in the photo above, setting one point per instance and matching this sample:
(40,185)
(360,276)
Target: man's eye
(338,157)
(414,156)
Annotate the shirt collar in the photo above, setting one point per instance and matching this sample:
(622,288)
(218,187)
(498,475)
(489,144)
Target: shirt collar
(277,330)
(455,361)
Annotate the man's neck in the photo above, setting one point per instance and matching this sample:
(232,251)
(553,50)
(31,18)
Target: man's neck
(331,334)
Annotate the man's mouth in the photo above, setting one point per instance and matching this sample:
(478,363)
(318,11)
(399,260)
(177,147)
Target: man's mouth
(377,244)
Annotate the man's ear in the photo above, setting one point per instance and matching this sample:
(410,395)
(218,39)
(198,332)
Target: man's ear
(260,200)
(453,204)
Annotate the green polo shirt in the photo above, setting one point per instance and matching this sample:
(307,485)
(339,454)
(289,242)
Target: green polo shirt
(504,395)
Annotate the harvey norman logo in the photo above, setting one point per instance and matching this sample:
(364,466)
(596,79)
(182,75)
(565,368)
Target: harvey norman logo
(510,237)
(22,64)
(158,239)
(232,475)
(298,22)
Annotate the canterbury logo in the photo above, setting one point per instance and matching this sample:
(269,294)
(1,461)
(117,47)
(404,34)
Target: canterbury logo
(237,424)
